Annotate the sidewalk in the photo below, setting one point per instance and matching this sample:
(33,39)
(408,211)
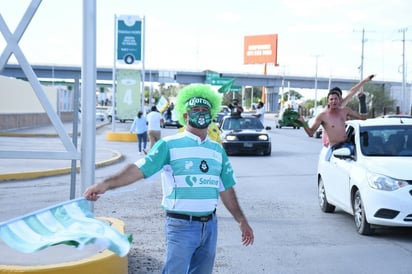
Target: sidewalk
(47,139)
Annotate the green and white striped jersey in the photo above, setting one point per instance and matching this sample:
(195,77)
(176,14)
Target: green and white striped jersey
(193,172)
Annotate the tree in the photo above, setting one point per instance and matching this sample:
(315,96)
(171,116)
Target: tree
(288,94)
(309,104)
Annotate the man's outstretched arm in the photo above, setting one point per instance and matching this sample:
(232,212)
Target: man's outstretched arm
(310,130)
(355,89)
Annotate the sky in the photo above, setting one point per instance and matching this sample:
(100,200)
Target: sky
(192,35)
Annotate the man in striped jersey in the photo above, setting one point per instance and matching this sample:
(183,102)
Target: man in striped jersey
(195,173)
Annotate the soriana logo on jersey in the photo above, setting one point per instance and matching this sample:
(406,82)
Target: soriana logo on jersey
(261,49)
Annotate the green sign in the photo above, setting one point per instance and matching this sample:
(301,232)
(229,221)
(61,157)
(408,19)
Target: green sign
(128,93)
(211,75)
(220,81)
(235,89)
(227,86)
(129,39)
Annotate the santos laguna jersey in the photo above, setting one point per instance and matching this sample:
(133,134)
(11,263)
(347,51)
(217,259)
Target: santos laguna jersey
(193,172)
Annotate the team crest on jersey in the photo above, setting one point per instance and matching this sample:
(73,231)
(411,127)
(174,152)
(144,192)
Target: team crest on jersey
(203,166)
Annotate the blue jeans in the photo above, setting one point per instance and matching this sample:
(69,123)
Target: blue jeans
(191,246)
(142,139)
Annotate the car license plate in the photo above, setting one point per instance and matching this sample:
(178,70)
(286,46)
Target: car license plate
(248,144)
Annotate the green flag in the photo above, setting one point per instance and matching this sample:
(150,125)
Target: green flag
(226,87)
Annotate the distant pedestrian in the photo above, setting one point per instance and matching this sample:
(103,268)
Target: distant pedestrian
(260,112)
(154,119)
(235,108)
(139,127)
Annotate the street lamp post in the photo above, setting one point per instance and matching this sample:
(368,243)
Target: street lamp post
(251,97)
(403,103)
(316,84)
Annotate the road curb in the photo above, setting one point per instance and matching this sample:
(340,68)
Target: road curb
(25,175)
(39,134)
(121,136)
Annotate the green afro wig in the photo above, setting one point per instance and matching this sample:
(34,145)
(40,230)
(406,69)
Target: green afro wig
(200,91)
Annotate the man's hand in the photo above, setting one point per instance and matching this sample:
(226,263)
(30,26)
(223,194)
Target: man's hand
(92,193)
(247,234)
(300,121)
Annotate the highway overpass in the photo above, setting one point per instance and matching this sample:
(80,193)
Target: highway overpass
(273,83)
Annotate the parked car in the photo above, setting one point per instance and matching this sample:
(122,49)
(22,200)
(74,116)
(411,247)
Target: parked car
(244,135)
(224,111)
(371,178)
(170,120)
(109,113)
(100,116)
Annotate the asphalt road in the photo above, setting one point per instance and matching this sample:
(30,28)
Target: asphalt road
(278,195)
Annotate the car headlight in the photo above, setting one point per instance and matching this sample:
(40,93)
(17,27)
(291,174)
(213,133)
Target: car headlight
(231,137)
(382,182)
(263,137)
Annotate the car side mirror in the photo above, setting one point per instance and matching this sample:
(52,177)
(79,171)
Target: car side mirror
(342,153)
(268,128)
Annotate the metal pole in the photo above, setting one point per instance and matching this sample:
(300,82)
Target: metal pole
(75,131)
(362,56)
(316,83)
(151,90)
(403,104)
(143,60)
(88,144)
(251,97)
(242,102)
(114,75)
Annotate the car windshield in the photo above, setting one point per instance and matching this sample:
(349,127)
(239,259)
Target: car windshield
(241,123)
(386,140)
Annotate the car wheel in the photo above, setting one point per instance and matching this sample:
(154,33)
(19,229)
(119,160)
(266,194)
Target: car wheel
(362,225)
(323,201)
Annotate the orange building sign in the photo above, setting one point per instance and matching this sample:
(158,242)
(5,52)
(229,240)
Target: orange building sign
(261,49)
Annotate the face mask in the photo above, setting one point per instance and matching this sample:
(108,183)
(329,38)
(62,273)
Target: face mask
(200,119)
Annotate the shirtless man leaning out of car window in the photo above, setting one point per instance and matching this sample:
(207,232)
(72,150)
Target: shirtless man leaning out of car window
(345,100)
(333,121)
